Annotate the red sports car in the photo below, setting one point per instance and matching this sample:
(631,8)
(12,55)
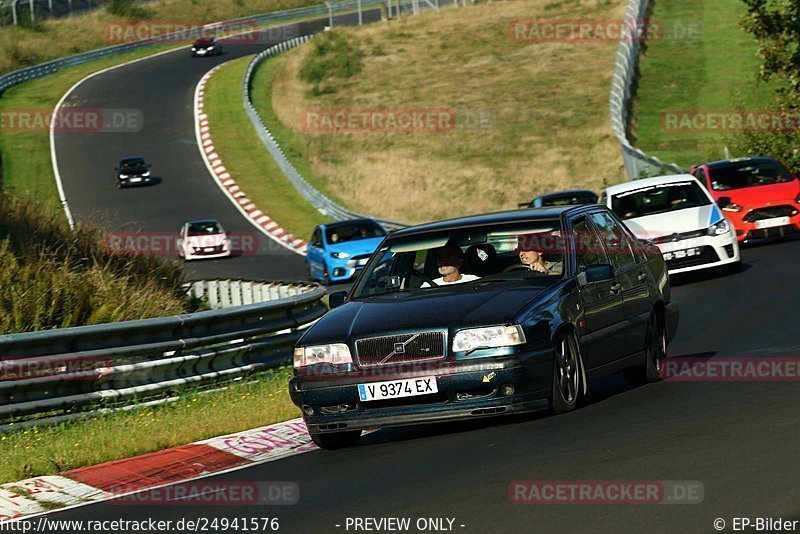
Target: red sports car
(760,196)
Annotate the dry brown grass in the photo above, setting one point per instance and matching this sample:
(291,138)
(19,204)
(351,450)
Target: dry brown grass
(546,102)
(55,38)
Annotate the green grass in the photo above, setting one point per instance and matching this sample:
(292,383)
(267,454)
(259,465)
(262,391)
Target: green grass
(247,159)
(714,70)
(293,145)
(194,416)
(27,167)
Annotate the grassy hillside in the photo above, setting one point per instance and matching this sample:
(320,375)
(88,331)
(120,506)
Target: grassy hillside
(529,117)
(21,46)
(52,277)
(712,68)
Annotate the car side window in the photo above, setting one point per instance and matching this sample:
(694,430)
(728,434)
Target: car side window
(588,247)
(700,174)
(615,241)
(316,238)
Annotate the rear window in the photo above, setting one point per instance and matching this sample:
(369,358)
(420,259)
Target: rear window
(748,174)
(661,198)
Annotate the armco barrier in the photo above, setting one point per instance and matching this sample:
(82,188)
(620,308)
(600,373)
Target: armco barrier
(324,204)
(637,163)
(67,371)
(229,293)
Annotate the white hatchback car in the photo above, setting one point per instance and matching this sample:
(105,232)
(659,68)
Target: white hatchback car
(203,240)
(680,216)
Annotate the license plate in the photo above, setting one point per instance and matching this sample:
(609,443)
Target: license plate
(136,179)
(772,223)
(209,249)
(680,254)
(396,389)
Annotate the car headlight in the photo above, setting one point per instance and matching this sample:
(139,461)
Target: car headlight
(335,353)
(340,255)
(720,228)
(146,174)
(123,175)
(488,337)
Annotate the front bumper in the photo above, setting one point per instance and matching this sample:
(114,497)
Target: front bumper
(133,180)
(209,256)
(749,231)
(716,251)
(467,389)
(340,271)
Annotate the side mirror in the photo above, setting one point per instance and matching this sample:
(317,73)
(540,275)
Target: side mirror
(317,244)
(600,272)
(337,299)
(724,202)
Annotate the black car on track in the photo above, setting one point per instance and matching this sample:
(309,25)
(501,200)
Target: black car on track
(504,334)
(562,198)
(132,171)
(206,46)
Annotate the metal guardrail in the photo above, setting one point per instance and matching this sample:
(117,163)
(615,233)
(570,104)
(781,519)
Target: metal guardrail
(50,67)
(322,203)
(229,293)
(638,164)
(58,374)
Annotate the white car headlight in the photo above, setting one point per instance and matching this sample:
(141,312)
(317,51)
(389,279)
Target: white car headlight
(123,175)
(488,337)
(340,255)
(335,353)
(146,174)
(720,228)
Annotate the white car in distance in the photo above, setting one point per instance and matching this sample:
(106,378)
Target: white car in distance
(203,239)
(680,216)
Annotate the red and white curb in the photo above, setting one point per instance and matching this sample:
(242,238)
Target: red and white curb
(228,185)
(112,480)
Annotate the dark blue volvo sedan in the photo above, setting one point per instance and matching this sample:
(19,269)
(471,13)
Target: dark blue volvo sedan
(490,314)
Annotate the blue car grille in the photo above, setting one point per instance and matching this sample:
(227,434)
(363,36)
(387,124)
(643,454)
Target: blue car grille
(400,348)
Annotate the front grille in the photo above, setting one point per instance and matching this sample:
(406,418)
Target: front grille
(729,250)
(771,233)
(707,255)
(390,350)
(680,236)
(771,212)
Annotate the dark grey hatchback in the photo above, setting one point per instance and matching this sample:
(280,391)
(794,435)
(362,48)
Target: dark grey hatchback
(491,314)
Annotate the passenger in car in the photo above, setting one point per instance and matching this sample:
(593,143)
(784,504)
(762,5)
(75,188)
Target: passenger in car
(449,260)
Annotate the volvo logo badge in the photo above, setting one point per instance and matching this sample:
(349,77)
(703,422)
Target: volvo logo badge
(399,348)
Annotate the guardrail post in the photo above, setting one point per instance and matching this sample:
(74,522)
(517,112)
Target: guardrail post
(14,19)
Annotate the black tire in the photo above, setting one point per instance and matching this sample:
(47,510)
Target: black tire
(655,353)
(336,440)
(566,389)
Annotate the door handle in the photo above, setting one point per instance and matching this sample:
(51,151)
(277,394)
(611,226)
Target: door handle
(642,277)
(616,288)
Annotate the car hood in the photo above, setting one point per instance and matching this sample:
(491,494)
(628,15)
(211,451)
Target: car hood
(397,312)
(762,195)
(664,224)
(357,248)
(210,240)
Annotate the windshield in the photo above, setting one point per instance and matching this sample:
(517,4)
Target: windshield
(660,198)
(354,231)
(458,259)
(748,174)
(131,163)
(204,228)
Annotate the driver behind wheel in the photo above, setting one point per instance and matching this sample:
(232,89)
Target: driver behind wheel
(449,260)
(531,247)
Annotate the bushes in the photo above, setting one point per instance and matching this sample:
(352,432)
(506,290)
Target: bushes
(53,277)
(127,9)
(334,55)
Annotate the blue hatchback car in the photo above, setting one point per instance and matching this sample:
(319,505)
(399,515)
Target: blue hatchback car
(337,251)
